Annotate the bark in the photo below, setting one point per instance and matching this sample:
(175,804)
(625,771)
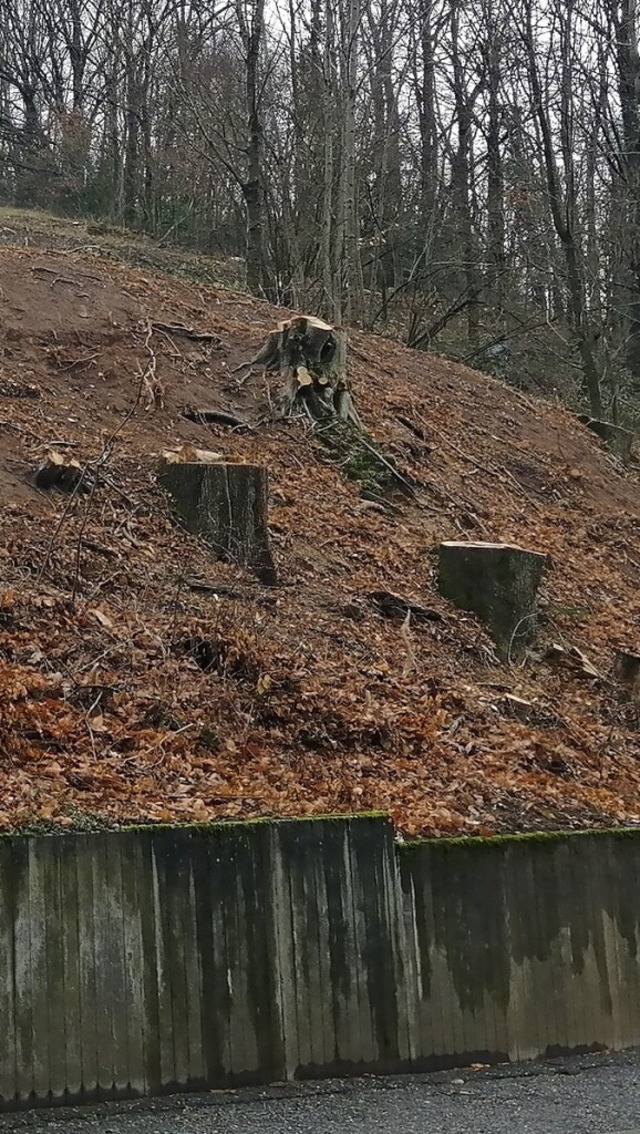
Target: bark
(499,583)
(617,439)
(468,280)
(310,356)
(252,30)
(495,173)
(331,278)
(628,61)
(626,672)
(227,505)
(562,204)
(427,113)
(353,308)
(386,193)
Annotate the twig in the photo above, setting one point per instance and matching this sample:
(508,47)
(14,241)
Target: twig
(80,362)
(417,430)
(221,589)
(176,602)
(149,376)
(93,544)
(54,272)
(42,268)
(66,510)
(94,465)
(64,279)
(394,472)
(471,458)
(525,618)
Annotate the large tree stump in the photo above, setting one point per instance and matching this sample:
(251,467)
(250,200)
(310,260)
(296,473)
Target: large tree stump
(499,583)
(617,439)
(310,356)
(226,504)
(311,359)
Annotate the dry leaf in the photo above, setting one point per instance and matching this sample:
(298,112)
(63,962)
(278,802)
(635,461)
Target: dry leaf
(188,454)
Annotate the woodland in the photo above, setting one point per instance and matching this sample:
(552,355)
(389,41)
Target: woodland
(462,174)
(311,311)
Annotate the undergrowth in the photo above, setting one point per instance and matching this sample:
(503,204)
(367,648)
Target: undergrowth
(362,460)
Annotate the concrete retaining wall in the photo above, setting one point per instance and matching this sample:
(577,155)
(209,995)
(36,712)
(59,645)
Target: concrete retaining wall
(522,947)
(152,960)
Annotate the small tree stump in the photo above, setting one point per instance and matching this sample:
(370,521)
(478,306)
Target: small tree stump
(63,473)
(499,583)
(626,671)
(617,439)
(226,504)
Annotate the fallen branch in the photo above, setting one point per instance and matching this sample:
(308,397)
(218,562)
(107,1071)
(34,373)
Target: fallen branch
(396,606)
(149,376)
(215,417)
(187,332)
(213,588)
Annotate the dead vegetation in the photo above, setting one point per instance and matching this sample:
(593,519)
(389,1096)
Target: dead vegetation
(140,678)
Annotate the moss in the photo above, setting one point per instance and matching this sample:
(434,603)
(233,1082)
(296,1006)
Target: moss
(364,463)
(481,842)
(95,823)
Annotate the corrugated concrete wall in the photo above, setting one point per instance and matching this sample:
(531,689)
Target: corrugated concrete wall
(522,947)
(163,959)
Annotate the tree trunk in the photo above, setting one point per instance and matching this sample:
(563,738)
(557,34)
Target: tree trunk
(626,671)
(468,278)
(495,174)
(628,60)
(617,439)
(131,153)
(354,305)
(227,505)
(251,30)
(311,358)
(563,209)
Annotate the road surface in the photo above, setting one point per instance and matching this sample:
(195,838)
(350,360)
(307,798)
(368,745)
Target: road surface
(588,1095)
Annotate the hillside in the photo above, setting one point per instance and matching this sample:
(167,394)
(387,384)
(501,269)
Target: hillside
(140,679)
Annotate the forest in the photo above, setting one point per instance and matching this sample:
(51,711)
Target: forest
(461,174)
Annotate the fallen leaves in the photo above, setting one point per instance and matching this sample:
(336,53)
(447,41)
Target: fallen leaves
(354,685)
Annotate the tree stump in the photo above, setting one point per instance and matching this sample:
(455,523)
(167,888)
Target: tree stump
(226,504)
(311,357)
(617,439)
(626,671)
(63,473)
(499,583)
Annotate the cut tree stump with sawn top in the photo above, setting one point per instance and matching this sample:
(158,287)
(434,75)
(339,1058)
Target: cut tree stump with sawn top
(226,504)
(499,583)
(311,357)
(626,671)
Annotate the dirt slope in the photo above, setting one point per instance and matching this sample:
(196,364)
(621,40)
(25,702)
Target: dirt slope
(128,693)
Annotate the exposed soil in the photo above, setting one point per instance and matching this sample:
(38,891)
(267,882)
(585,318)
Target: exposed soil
(126,694)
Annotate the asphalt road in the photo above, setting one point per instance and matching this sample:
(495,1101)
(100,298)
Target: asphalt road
(590,1095)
